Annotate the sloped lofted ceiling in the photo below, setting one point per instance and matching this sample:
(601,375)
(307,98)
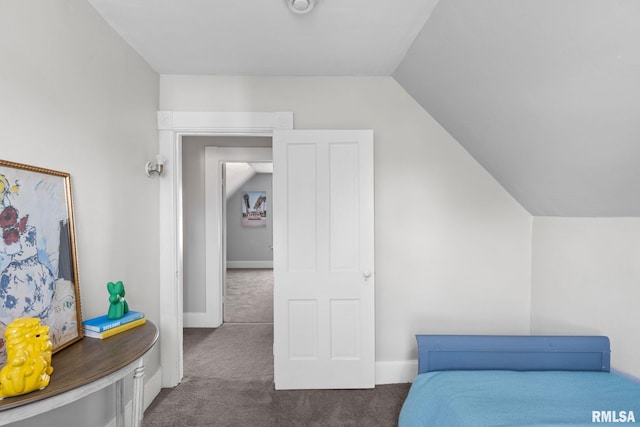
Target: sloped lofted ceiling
(545,94)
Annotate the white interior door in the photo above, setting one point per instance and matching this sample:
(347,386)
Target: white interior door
(324,322)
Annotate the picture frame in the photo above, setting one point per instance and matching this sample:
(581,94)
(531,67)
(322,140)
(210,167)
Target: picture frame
(254,209)
(38,260)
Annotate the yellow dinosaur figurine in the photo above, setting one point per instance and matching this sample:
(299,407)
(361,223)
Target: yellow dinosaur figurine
(28,366)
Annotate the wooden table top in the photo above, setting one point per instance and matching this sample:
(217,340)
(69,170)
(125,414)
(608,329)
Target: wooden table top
(88,360)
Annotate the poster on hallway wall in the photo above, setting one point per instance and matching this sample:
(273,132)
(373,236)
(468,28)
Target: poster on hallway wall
(254,209)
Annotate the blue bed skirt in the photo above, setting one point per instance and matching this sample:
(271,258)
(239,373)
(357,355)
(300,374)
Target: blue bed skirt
(529,398)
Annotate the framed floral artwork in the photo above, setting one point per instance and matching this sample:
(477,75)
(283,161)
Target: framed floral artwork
(38,263)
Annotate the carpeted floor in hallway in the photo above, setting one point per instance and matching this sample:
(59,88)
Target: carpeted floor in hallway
(248,295)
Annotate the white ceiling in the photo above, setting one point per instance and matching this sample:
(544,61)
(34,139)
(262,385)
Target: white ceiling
(545,94)
(263,37)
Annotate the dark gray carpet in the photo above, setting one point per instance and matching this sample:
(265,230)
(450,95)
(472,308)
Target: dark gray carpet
(229,382)
(206,402)
(231,352)
(229,375)
(248,296)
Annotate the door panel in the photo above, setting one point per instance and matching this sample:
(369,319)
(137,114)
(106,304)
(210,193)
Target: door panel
(324,321)
(301,208)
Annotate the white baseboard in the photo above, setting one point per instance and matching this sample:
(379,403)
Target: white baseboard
(152,388)
(396,372)
(249,264)
(199,320)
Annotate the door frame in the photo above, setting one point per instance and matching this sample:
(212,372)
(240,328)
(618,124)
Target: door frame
(172,126)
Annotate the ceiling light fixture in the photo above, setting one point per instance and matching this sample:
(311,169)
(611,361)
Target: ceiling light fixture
(301,6)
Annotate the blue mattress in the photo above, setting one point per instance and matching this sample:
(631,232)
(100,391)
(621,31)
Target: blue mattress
(510,398)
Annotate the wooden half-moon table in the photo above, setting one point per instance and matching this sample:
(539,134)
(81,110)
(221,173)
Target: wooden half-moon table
(87,366)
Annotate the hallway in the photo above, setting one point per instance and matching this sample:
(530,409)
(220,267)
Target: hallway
(248,296)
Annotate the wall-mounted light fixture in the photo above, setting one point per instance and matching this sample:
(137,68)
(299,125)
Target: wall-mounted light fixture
(301,6)
(156,167)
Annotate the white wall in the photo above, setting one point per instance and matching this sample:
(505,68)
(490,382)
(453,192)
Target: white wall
(76,98)
(193,204)
(452,247)
(586,280)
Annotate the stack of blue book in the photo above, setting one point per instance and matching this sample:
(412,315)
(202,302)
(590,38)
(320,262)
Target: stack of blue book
(102,327)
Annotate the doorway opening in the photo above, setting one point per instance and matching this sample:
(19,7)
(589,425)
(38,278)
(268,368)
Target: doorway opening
(349,321)
(228,268)
(173,128)
(248,239)
(219,172)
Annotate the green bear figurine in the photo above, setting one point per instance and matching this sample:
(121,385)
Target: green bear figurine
(117,304)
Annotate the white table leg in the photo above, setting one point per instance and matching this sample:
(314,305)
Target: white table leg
(138,394)
(120,402)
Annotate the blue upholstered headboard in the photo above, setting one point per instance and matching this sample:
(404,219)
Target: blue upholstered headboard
(515,353)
